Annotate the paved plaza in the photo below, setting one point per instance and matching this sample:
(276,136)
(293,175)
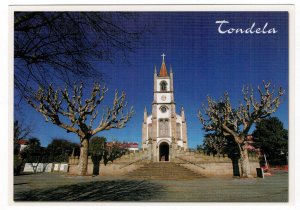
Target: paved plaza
(61,187)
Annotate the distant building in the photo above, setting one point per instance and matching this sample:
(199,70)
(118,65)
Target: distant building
(131,146)
(21,144)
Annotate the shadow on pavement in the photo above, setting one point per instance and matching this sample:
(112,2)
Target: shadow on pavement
(117,190)
(21,183)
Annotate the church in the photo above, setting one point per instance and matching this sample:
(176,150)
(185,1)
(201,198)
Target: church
(164,132)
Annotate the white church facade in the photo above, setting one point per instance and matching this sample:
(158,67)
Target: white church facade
(164,132)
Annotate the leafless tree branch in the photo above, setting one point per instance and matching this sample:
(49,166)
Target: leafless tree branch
(56,105)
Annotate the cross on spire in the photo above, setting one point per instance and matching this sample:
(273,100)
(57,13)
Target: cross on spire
(163,69)
(163,55)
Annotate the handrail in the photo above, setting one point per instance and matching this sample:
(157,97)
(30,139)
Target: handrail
(143,158)
(190,162)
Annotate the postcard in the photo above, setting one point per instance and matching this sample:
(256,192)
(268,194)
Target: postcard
(160,103)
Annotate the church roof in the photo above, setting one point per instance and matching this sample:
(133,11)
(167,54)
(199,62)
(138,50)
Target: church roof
(163,69)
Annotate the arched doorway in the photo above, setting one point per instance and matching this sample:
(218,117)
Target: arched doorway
(164,151)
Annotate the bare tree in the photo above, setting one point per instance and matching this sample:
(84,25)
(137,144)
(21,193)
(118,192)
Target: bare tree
(21,131)
(65,46)
(236,123)
(58,107)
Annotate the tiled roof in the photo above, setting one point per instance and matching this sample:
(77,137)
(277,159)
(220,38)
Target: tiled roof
(123,145)
(163,70)
(22,142)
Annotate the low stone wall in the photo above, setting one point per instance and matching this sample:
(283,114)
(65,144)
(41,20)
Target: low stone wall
(110,169)
(197,156)
(218,168)
(209,165)
(120,166)
(73,166)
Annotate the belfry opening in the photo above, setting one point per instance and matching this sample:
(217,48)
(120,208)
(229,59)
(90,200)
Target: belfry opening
(164,151)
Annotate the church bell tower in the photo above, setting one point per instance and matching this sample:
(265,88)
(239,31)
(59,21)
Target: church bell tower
(163,130)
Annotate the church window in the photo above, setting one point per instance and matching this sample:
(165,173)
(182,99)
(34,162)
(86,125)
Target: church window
(163,127)
(163,86)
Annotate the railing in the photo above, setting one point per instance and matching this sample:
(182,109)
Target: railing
(143,158)
(190,162)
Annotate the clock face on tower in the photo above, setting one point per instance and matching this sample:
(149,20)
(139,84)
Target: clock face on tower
(163,98)
(163,109)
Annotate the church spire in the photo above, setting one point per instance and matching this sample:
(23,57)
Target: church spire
(145,114)
(182,114)
(163,69)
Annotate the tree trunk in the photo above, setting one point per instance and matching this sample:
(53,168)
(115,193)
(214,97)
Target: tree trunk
(245,165)
(83,159)
(17,169)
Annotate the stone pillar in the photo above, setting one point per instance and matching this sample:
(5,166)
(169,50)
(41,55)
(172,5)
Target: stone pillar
(154,151)
(173,109)
(171,85)
(173,123)
(144,136)
(155,86)
(184,130)
(154,122)
(144,130)
(149,150)
(154,131)
(173,150)
(184,136)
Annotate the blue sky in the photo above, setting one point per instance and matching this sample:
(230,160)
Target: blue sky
(204,62)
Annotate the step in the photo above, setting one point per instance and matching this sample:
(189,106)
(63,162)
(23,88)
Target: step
(163,170)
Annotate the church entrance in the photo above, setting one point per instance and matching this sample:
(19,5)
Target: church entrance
(164,151)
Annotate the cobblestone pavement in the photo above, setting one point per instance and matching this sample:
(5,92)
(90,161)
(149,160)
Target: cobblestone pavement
(60,187)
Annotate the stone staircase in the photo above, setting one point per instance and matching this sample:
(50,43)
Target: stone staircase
(163,171)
